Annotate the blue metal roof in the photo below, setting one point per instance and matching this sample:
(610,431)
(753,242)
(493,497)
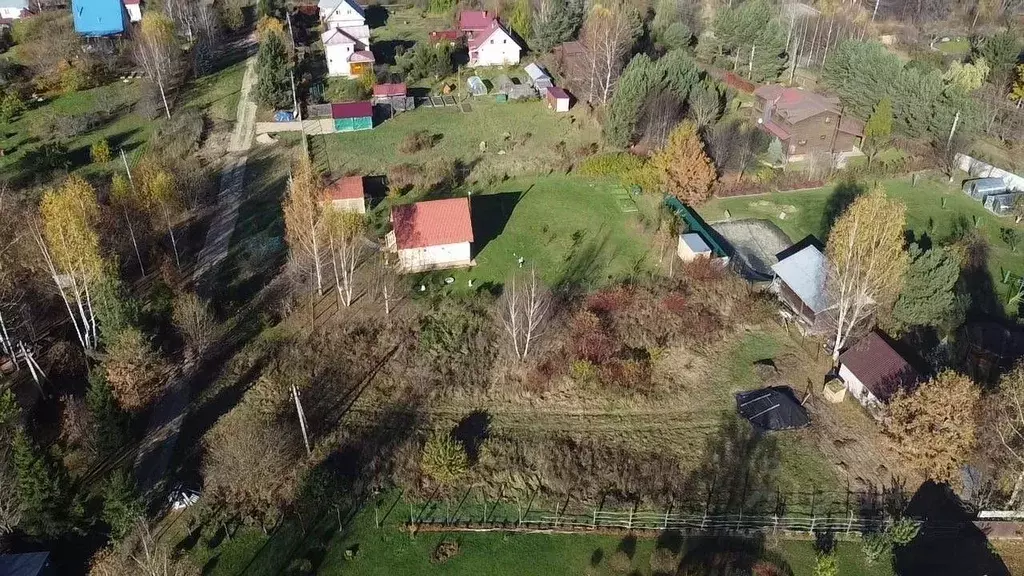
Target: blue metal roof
(31,564)
(805,273)
(98,17)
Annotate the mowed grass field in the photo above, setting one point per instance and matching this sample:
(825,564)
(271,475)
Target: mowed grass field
(492,141)
(391,552)
(934,209)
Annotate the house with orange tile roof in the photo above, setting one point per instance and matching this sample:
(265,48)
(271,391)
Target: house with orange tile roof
(432,235)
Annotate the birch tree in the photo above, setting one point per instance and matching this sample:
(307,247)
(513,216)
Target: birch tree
(525,304)
(866,262)
(160,196)
(9,293)
(194,319)
(385,281)
(156,51)
(608,35)
(304,218)
(123,198)
(345,235)
(1010,427)
(67,239)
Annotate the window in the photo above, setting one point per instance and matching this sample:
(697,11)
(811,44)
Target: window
(492,41)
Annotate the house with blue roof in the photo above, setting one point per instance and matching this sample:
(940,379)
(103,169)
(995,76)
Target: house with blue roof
(99,17)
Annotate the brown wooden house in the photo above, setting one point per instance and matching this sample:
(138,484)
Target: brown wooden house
(806,122)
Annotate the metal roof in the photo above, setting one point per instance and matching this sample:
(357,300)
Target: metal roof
(805,272)
(23,4)
(695,242)
(535,72)
(98,17)
(31,564)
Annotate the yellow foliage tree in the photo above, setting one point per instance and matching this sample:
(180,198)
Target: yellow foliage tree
(304,217)
(686,171)
(934,426)
(1017,92)
(67,238)
(134,370)
(866,262)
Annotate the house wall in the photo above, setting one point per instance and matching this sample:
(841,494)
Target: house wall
(857,388)
(11,12)
(344,16)
(435,256)
(350,205)
(688,255)
(337,56)
(134,12)
(353,124)
(498,50)
(815,134)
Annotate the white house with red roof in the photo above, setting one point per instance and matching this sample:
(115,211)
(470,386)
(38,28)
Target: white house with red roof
(347,194)
(432,235)
(134,8)
(347,51)
(489,42)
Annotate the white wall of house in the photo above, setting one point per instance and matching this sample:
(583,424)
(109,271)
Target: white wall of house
(134,12)
(11,12)
(857,388)
(498,50)
(337,59)
(344,16)
(349,205)
(435,256)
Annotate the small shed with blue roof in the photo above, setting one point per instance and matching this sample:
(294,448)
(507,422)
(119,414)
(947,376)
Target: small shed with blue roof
(98,17)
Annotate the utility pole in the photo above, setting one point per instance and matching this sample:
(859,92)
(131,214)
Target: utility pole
(302,419)
(126,167)
(750,66)
(952,130)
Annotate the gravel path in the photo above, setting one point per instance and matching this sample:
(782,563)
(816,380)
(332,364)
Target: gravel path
(161,439)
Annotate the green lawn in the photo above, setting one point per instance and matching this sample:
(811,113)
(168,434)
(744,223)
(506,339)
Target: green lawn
(218,93)
(959,47)
(933,208)
(493,140)
(390,552)
(571,229)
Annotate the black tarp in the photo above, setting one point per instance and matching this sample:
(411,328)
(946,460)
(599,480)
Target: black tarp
(774,408)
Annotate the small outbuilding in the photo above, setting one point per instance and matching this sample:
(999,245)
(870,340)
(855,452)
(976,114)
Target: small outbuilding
(800,282)
(347,194)
(394,90)
(873,371)
(99,17)
(693,246)
(1002,204)
(432,235)
(352,116)
(503,84)
(476,86)
(14,10)
(134,8)
(558,99)
(538,77)
(772,409)
(979,188)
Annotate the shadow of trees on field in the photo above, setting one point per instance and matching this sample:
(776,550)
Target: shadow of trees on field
(842,196)
(584,262)
(948,543)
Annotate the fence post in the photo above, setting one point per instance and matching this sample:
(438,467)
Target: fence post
(849,525)
(629,523)
(813,518)
(664,525)
(594,523)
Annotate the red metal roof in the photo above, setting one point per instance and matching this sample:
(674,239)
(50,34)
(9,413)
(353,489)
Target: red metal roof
(878,367)
(127,2)
(558,93)
(449,35)
(432,223)
(390,89)
(480,37)
(470,20)
(351,110)
(347,188)
(776,130)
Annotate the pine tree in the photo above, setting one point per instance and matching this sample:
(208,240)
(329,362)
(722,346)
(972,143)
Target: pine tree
(273,87)
(556,22)
(44,489)
(878,129)
(928,297)
(122,506)
(686,171)
(111,423)
(637,81)
(776,155)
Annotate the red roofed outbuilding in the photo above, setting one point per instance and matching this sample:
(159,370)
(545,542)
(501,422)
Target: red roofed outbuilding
(347,194)
(432,235)
(390,90)
(873,371)
(558,99)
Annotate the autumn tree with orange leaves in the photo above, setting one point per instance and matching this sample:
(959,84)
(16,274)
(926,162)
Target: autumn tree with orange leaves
(686,171)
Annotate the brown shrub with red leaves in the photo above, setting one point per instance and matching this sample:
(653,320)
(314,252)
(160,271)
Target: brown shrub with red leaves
(609,300)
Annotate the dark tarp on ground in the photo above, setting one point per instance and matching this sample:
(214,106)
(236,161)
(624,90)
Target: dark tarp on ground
(774,408)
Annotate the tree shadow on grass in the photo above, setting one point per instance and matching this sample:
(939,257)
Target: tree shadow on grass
(384,52)
(842,196)
(948,543)
(490,213)
(584,262)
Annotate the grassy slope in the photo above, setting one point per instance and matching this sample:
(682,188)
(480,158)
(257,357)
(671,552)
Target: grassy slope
(806,214)
(218,93)
(539,129)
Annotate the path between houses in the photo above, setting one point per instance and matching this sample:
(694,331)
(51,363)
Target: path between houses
(161,439)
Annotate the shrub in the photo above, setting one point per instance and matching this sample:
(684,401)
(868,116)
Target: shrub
(418,140)
(632,374)
(663,561)
(345,90)
(632,170)
(438,173)
(99,152)
(180,136)
(876,547)
(582,371)
(445,551)
(903,531)
(11,106)
(444,459)
(765,568)
(620,562)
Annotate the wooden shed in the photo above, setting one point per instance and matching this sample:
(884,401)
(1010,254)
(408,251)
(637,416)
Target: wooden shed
(558,99)
(352,116)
